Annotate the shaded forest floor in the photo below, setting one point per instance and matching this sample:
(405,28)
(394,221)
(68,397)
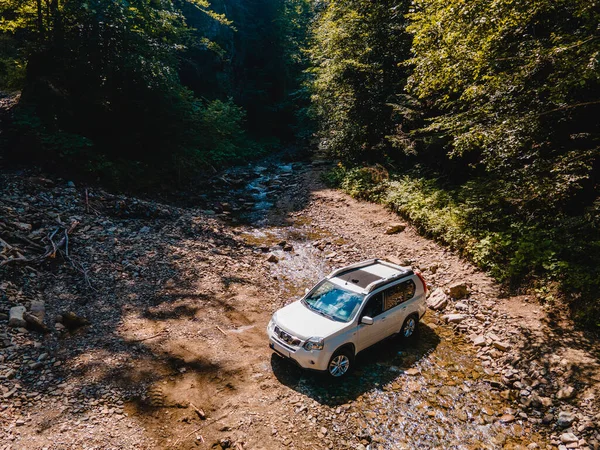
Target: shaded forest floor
(155,324)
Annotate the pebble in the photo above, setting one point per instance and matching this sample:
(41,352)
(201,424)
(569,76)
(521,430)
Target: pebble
(567,438)
(565,419)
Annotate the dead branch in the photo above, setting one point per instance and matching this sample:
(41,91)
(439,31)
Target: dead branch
(6,244)
(149,337)
(198,429)
(17,259)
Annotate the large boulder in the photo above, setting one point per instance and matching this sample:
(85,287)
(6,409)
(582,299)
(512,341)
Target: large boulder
(458,290)
(15,317)
(454,318)
(437,300)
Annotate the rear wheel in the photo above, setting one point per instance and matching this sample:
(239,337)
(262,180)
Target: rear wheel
(340,363)
(409,327)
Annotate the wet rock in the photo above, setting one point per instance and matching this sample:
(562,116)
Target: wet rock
(454,318)
(458,290)
(567,438)
(272,258)
(437,300)
(566,393)
(565,419)
(15,317)
(395,228)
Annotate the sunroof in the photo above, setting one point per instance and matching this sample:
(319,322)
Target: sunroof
(359,277)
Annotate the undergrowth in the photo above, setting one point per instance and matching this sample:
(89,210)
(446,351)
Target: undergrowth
(558,258)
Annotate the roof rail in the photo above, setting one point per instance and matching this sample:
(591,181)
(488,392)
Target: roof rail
(379,283)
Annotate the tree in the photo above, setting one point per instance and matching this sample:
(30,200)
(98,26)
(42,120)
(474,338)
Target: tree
(358,75)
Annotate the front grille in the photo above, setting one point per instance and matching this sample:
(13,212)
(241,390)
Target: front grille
(286,337)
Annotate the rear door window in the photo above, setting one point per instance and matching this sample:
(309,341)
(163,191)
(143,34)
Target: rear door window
(399,294)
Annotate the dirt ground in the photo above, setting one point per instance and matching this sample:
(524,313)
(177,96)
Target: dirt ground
(175,353)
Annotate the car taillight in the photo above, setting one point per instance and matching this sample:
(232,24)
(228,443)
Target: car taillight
(420,275)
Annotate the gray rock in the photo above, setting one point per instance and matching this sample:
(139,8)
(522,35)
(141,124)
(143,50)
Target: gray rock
(38,309)
(479,341)
(458,290)
(16,319)
(502,346)
(567,438)
(454,318)
(565,419)
(566,393)
(437,300)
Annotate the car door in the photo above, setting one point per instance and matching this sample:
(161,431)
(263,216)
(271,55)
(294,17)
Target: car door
(397,305)
(371,334)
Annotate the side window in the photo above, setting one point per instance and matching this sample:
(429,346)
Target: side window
(374,306)
(399,294)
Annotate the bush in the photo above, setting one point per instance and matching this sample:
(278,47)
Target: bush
(559,258)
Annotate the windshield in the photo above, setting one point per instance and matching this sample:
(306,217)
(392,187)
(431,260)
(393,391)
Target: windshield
(333,302)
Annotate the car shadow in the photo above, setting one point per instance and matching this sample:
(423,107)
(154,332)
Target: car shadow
(374,368)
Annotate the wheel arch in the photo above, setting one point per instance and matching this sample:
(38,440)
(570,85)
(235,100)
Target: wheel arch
(348,345)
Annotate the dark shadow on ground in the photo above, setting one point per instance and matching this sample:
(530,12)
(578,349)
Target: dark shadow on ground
(374,368)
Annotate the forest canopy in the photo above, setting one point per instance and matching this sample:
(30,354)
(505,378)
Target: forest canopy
(151,89)
(477,119)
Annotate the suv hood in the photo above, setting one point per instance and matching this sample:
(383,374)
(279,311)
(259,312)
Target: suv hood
(303,323)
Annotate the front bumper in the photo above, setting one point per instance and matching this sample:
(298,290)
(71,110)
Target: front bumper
(314,359)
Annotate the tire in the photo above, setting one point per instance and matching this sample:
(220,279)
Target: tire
(340,363)
(409,327)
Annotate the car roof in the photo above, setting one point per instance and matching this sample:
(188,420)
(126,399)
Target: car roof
(369,275)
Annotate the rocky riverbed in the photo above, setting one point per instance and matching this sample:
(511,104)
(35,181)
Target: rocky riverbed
(147,331)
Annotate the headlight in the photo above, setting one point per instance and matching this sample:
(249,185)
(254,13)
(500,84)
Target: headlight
(271,325)
(314,344)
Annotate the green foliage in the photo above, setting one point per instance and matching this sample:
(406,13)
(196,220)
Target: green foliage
(357,75)
(477,223)
(494,127)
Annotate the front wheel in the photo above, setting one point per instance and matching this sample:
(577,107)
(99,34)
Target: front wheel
(340,363)
(409,327)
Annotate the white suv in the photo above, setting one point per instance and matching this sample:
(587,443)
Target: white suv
(351,309)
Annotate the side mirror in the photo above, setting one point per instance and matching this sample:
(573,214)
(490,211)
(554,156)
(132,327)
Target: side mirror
(367,320)
(306,291)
